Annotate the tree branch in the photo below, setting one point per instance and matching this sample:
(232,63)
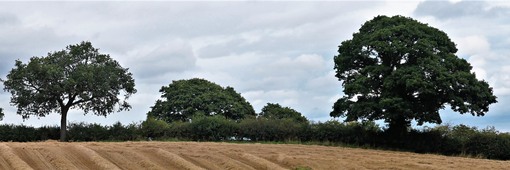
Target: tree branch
(83,101)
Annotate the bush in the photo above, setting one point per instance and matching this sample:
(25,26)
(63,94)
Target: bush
(489,145)
(212,128)
(179,130)
(18,133)
(267,129)
(87,132)
(48,133)
(153,128)
(120,132)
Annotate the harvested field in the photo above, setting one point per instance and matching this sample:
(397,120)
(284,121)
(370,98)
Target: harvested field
(193,155)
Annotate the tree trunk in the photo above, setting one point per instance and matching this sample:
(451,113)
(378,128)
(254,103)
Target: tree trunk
(63,124)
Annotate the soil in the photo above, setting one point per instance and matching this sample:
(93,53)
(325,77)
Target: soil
(208,155)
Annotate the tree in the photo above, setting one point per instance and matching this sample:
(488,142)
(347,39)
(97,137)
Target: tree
(184,98)
(276,111)
(78,77)
(399,70)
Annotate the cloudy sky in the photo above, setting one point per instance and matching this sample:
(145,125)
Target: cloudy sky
(279,52)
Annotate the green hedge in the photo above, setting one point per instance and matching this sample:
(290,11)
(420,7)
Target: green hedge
(443,139)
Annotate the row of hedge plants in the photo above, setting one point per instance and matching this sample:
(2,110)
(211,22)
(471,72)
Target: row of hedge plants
(442,139)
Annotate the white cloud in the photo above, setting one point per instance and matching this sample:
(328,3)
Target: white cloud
(157,59)
(472,45)
(268,51)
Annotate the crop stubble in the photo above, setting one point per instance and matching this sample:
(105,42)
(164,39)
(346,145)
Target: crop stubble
(195,155)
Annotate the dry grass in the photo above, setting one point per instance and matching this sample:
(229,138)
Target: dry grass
(192,155)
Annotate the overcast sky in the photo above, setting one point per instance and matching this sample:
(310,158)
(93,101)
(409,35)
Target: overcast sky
(279,52)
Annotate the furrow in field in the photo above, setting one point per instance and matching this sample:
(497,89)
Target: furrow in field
(14,161)
(261,162)
(56,158)
(125,158)
(225,162)
(178,160)
(95,157)
(157,159)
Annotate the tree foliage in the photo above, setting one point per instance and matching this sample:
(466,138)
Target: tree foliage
(184,98)
(276,111)
(398,69)
(78,77)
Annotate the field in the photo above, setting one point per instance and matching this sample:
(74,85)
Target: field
(193,155)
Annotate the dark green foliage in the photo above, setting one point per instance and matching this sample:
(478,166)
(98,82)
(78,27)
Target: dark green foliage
(87,132)
(398,70)
(19,133)
(23,133)
(447,140)
(212,128)
(153,128)
(349,133)
(78,77)
(48,133)
(184,98)
(123,133)
(179,130)
(261,129)
(327,131)
(275,111)
(490,144)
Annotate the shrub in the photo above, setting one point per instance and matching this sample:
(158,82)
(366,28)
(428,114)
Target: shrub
(87,132)
(179,130)
(123,133)
(489,145)
(48,133)
(153,128)
(212,128)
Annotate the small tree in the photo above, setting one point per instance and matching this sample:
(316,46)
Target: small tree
(276,111)
(76,77)
(398,69)
(184,98)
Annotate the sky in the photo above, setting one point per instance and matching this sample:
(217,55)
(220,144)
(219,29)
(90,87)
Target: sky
(270,52)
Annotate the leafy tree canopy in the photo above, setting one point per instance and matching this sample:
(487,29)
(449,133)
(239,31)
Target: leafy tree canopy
(78,77)
(184,98)
(398,69)
(276,111)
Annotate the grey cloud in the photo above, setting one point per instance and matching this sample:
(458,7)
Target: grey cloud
(444,10)
(8,19)
(174,56)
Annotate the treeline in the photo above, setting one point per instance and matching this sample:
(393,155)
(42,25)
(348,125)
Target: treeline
(445,139)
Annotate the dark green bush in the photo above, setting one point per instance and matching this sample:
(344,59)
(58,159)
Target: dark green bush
(48,133)
(87,132)
(153,129)
(264,129)
(179,130)
(119,132)
(489,145)
(212,128)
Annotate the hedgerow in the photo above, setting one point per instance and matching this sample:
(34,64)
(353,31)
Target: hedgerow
(442,139)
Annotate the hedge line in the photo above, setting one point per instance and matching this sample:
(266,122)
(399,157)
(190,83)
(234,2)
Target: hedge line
(444,139)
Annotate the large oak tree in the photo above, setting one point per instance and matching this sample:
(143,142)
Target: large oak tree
(78,77)
(398,70)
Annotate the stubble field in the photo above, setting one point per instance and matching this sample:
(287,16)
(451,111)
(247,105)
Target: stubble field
(193,155)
